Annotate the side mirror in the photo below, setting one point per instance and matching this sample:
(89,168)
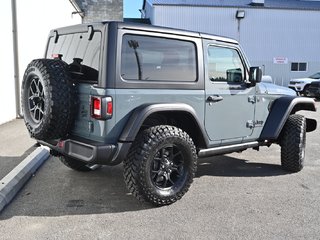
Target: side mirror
(255,75)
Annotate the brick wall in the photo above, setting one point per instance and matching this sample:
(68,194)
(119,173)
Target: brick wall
(97,10)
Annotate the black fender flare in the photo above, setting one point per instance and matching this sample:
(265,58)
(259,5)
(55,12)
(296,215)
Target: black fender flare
(280,110)
(141,113)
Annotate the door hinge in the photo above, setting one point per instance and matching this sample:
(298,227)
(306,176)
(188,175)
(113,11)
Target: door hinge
(252,99)
(250,124)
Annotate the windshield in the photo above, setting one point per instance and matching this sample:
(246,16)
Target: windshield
(315,76)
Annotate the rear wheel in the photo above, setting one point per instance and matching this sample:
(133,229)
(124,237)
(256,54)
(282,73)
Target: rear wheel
(160,165)
(293,143)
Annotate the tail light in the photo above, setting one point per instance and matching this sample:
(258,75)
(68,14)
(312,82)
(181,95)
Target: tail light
(96,107)
(101,107)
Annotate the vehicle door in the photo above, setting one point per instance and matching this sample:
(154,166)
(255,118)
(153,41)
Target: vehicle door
(230,99)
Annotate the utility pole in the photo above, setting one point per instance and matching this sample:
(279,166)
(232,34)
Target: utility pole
(15,57)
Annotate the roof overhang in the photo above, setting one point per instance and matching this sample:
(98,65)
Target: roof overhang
(77,8)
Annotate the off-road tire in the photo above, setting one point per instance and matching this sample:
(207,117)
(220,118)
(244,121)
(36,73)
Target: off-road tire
(305,90)
(293,143)
(48,99)
(151,155)
(75,164)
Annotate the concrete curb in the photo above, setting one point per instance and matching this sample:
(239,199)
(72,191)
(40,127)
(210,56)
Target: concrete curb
(14,181)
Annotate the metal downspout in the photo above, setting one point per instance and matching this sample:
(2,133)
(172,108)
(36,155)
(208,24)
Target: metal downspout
(15,57)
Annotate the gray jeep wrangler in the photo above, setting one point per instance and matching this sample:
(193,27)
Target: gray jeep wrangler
(156,99)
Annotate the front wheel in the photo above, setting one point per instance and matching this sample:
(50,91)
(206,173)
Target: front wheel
(160,165)
(293,143)
(305,91)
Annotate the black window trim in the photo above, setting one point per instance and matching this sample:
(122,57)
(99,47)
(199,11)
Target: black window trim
(168,80)
(242,58)
(141,84)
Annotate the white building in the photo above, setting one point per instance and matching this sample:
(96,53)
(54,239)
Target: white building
(35,19)
(281,36)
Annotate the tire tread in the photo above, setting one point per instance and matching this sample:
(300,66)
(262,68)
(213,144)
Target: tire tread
(60,101)
(293,143)
(136,161)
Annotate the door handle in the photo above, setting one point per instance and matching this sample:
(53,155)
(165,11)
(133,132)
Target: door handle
(214,98)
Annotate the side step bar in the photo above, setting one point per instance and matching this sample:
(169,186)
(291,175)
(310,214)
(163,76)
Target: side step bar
(226,149)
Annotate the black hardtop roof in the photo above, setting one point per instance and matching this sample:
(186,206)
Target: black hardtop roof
(139,27)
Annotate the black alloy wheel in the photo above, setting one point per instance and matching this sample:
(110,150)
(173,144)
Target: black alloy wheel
(160,165)
(167,169)
(48,99)
(36,99)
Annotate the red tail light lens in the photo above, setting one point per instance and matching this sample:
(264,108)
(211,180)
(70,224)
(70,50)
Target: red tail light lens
(96,111)
(101,107)
(109,108)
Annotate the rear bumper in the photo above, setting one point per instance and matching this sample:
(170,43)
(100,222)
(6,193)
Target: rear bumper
(89,151)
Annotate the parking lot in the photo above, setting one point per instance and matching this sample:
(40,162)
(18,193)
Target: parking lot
(235,196)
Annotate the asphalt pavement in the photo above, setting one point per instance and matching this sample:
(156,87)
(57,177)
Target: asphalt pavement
(235,196)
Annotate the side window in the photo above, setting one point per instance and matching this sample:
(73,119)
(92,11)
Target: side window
(157,59)
(225,65)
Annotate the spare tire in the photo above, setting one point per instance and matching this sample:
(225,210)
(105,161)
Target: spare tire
(48,99)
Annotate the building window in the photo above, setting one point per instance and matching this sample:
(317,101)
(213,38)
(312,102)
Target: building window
(298,66)
(157,59)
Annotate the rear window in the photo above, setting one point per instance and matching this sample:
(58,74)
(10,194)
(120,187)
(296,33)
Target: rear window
(79,52)
(157,59)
